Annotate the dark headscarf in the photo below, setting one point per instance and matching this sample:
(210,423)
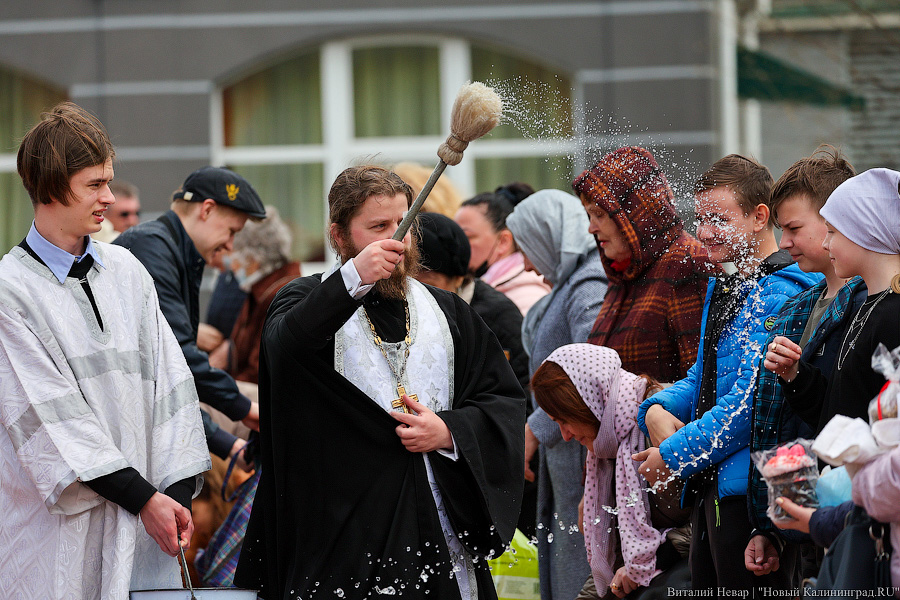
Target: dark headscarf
(629,185)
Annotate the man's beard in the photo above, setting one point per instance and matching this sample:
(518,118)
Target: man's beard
(395,285)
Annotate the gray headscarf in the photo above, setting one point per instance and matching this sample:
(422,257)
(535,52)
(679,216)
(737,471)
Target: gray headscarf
(866,209)
(551,229)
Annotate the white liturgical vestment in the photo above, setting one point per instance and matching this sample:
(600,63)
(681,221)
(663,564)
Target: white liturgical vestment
(428,374)
(79,401)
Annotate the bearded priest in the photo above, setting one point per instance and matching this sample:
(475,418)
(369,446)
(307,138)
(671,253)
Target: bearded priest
(391,424)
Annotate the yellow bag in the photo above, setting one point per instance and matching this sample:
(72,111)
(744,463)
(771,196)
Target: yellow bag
(515,572)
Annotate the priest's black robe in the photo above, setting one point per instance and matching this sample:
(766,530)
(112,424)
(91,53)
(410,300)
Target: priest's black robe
(343,510)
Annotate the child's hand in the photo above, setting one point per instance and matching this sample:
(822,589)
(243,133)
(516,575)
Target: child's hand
(782,358)
(661,424)
(653,468)
(800,513)
(760,556)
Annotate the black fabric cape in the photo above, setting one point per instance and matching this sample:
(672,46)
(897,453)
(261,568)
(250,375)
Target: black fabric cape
(342,506)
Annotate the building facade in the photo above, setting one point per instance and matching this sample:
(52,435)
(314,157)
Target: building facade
(291,93)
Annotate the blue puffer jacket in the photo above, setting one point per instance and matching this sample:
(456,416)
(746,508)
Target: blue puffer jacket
(721,436)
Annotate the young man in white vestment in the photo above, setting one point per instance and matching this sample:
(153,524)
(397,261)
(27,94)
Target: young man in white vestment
(102,445)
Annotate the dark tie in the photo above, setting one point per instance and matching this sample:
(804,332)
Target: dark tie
(79,271)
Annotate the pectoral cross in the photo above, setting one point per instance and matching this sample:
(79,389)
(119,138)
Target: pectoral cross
(398,402)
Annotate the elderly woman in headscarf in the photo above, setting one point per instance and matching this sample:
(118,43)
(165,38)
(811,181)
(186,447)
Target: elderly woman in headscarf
(550,229)
(657,271)
(594,401)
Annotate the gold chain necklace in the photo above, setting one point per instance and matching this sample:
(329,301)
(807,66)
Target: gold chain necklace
(397,403)
(842,356)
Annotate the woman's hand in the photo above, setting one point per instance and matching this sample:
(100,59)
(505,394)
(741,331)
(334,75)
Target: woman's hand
(208,337)
(531,446)
(218,356)
(621,584)
(581,514)
(782,358)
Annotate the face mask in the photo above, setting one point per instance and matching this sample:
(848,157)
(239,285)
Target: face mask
(483,267)
(245,282)
(481,270)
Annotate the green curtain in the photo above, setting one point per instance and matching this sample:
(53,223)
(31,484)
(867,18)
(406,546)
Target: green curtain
(297,192)
(280,105)
(22,100)
(539,102)
(396,91)
(539,172)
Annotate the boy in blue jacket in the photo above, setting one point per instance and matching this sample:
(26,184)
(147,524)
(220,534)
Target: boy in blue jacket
(711,452)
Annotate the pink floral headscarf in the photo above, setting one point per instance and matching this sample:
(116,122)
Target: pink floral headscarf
(601,382)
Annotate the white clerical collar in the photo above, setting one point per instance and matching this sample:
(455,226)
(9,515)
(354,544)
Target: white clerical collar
(58,260)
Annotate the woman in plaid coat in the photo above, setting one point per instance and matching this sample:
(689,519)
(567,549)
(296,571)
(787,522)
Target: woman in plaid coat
(657,271)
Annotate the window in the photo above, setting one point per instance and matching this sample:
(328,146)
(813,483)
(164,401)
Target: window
(22,100)
(292,127)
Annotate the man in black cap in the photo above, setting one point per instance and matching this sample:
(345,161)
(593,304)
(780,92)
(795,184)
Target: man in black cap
(206,213)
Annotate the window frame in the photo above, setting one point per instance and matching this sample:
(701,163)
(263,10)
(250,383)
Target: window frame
(340,147)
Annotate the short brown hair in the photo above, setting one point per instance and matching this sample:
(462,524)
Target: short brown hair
(815,176)
(557,395)
(67,140)
(749,181)
(354,186)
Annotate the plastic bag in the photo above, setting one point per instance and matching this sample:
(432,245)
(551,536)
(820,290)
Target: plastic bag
(791,471)
(884,405)
(846,441)
(515,572)
(834,486)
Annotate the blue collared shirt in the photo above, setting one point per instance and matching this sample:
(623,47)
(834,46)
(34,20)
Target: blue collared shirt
(58,260)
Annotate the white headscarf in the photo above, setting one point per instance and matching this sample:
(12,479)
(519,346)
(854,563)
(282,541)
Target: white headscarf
(601,382)
(866,209)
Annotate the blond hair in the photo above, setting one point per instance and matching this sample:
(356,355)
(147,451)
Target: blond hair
(444,199)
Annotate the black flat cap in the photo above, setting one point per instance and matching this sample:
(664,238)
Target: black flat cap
(225,187)
(443,245)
